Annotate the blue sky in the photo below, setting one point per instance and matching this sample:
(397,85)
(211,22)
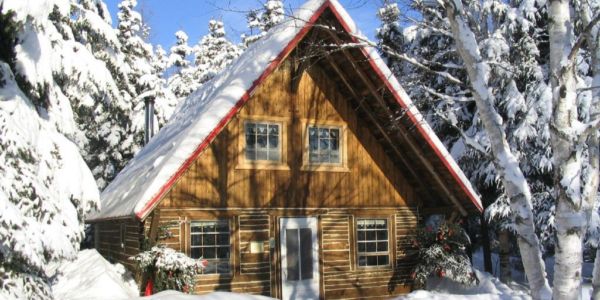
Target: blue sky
(165,17)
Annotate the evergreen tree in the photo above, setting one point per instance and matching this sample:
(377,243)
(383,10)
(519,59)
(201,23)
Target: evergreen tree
(213,53)
(272,13)
(440,88)
(46,189)
(181,83)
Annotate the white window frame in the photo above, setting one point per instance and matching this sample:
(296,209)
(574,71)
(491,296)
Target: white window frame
(216,246)
(376,241)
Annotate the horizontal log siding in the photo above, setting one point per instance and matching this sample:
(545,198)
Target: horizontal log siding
(109,241)
(343,279)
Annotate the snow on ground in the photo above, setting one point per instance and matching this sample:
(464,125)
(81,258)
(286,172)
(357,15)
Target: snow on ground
(91,277)
(489,287)
(173,295)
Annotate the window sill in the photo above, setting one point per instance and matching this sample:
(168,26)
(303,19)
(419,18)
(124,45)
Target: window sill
(325,168)
(263,166)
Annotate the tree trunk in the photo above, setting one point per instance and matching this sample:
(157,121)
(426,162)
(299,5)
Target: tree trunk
(485,241)
(515,185)
(572,208)
(590,192)
(504,256)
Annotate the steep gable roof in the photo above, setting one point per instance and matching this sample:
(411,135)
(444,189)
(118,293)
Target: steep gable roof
(198,120)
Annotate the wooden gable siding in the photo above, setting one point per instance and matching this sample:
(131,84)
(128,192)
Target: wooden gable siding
(215,180)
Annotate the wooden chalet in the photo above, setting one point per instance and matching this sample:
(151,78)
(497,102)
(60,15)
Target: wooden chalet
(298,173)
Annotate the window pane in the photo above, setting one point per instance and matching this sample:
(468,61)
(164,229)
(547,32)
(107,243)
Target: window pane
(370,235)
(273,129)
(261,128)
(250,141)
(223,267)
(261,141)
(306,253)
(382,235)
(208,240)
(223,252)
(273,141)
(362,260)
(223,239)
(262,154)
(292,259)
(371,260)
(335,133)
(371,247)
(223,226)
(211,268)
(383,260)
(360,235)
(209,252)
(313,142)
(382,247)
(195,253)
(250,128)
(361,247)
(324,144)
(195,240)
(274,155)
(323,132)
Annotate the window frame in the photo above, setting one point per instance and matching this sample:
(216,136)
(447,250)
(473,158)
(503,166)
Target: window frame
(231,246)
(390,243)
(244,163)
(307,165)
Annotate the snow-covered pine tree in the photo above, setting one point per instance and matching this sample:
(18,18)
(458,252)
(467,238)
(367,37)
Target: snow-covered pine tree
(46,189)
(103,119)
(182,78)
(439,85)
(165,101)
(271,14)
(213,53)
(568,137)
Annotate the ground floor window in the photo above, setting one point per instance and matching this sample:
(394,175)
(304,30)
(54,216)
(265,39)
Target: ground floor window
(211,240)
(372,240)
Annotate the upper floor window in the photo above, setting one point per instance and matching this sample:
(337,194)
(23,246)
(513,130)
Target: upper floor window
(324,144)
(263,141)
(372,240)
(210,240)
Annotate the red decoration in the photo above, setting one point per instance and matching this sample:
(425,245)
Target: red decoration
(447,248)
(149,287)
(441,273)
(204,263)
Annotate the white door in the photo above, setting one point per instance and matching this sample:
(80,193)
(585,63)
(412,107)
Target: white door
(299,258)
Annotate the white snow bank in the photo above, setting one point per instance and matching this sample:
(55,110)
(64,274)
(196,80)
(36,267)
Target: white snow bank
(174,295)
(489,287)
(91,277)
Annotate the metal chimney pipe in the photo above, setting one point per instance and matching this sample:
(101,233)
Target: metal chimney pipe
(149,119)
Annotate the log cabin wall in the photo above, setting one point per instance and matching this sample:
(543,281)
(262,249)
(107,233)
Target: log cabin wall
(219,185)
(118,240)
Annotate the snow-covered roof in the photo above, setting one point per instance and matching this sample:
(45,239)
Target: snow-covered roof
(198,120)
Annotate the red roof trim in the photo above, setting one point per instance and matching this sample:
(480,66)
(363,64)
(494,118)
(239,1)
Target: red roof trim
(213,134)
(412,117)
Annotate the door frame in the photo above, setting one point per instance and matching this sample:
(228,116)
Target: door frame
(283,220)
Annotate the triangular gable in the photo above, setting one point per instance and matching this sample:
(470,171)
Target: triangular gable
(152,172)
